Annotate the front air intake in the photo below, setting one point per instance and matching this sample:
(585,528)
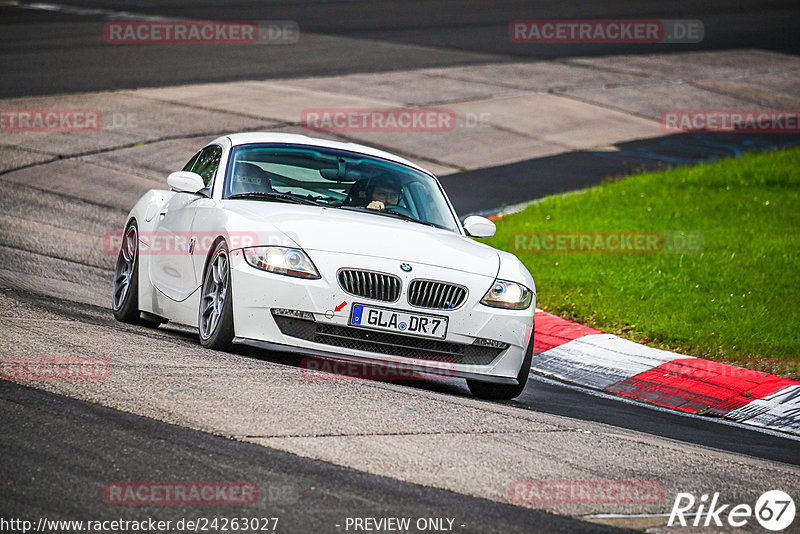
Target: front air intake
(436,295)
(370,285)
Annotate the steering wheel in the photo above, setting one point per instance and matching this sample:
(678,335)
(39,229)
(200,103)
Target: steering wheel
(401,210)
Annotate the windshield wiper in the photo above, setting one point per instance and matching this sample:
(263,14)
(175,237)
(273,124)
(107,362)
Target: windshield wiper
(408,217)
(390,213)
(275,196)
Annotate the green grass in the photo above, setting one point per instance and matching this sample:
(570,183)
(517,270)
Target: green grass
(737,299)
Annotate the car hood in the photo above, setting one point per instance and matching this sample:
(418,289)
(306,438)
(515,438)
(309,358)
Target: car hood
(364,234)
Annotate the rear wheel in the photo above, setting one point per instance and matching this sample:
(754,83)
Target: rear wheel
(125,300)
(215,319)
(490,391)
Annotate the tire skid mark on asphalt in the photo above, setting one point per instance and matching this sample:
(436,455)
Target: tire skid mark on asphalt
(57,208)
(212,134)
(74,235)
(82,251)
(156,369)
(17,167)
(273,122)
(77,312)
(141,382)
(414,433)
(156,182)
(83,183)
(51,228)
(48,256)
(34,264)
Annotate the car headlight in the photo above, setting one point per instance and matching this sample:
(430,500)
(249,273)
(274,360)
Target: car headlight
(509,295)
(281,260)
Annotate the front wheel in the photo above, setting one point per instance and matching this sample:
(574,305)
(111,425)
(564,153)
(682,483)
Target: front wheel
(215,319)
(490,391)
(125,300)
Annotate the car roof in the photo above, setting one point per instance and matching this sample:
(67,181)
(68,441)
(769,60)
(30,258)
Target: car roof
(297,139)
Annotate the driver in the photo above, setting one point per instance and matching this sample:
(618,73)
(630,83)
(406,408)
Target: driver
(250,178)
(384,192)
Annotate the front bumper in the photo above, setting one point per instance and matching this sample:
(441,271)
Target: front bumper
(257,293)
(399,366)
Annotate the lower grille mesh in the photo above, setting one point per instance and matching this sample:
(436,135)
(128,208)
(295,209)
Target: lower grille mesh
(386,343)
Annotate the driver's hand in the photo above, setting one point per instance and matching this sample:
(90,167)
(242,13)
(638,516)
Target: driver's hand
(375,205)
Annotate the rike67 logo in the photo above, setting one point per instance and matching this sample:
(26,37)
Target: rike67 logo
(774,510)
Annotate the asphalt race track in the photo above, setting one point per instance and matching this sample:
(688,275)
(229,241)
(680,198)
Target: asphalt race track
(321,450)
(401,35)
(503,185)
(308,496)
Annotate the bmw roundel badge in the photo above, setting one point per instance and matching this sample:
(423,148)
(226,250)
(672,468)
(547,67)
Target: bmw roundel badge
(406,267)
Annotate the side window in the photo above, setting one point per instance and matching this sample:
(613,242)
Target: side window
(188,166)
(206,162)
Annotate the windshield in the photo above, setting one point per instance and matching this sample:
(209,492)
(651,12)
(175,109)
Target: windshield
(338,179)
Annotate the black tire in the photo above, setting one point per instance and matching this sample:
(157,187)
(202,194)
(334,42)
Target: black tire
(490,391)
(125,298)
(218,334)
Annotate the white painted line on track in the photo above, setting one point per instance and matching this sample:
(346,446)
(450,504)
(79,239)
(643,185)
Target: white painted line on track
(625,516)
(84,11)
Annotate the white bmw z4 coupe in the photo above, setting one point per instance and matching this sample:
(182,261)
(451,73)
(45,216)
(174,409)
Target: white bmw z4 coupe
(328,249)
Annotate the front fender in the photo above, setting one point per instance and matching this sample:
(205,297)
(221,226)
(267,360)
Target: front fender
(513,270)
(146,209)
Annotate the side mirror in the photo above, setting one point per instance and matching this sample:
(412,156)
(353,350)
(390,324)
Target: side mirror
(479,226)
(186,182)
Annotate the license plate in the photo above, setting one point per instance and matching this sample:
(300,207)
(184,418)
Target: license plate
(401,322)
